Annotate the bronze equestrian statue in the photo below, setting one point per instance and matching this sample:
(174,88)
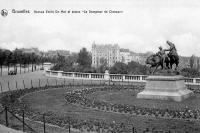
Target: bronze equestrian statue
(174,58)
(156,61)
(164,60)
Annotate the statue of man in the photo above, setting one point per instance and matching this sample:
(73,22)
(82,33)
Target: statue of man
(173,56)
(172,50)
(162,55)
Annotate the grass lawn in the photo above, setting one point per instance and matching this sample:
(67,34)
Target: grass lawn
(129,97)
(53,100)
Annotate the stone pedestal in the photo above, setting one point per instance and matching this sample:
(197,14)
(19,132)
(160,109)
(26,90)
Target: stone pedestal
(60,74)
(107,75)
(165,88)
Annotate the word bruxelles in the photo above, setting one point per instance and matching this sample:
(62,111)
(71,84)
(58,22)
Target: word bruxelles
(20,11)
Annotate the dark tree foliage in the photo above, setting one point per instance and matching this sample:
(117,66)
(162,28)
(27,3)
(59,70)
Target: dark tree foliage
(67,64)
(80,62)
(137,68)
(13,58)
(198,65)
(119,68)
(190,72)
(84,58)
(131,68)
(103,66)
(192,58)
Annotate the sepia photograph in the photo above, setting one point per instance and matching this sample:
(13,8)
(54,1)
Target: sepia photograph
(100,66)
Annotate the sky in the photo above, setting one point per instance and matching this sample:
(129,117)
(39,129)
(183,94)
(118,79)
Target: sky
(142,25)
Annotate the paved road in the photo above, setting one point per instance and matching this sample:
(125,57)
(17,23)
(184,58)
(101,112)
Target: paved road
(36,79)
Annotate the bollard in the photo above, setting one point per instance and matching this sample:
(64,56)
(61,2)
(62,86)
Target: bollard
(23,121)
(9,86)
(31,83)
(16,85)
(1,87)
(47,83)
(39,82)
(133,130)
(24,84)
(69,125)
(44,123)
(6,115)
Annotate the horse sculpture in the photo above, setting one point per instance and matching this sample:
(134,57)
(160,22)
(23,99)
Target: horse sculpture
(171,58)
(156,61)
(174,59)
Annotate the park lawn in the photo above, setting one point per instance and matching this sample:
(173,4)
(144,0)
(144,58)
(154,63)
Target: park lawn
(53,100)
(130,97)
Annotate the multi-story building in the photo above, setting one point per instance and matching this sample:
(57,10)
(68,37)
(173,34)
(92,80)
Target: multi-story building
(110,54)
(128,56)
(105,54)
(125,56)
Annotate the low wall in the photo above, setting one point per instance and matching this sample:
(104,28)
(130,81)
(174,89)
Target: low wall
(96,76)
(111,77)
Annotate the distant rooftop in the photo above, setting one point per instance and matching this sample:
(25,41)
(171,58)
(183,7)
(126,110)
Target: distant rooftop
(124,50)
(105,46)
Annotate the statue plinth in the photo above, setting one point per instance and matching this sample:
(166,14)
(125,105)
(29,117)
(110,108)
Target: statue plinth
(165,88)
(167,72)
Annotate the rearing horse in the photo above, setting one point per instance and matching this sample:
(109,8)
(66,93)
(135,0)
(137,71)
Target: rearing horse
(174,58)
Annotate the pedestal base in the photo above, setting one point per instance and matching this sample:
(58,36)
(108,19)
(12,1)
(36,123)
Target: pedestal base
(165,88)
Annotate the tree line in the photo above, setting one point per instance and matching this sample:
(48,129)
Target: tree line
(81,62)
(22,59)
(193,68)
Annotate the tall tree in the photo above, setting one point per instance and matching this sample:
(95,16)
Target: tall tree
(119,68)
(84,58)
(2,59)
(8,58)
(198,64)
(136,68)
(19,56)
(192,58)
(103,65)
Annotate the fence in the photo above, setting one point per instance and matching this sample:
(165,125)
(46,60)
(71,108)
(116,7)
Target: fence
(28,128)
(108,77)
(22,120)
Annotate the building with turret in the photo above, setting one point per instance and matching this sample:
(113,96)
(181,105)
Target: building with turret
(107,54)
